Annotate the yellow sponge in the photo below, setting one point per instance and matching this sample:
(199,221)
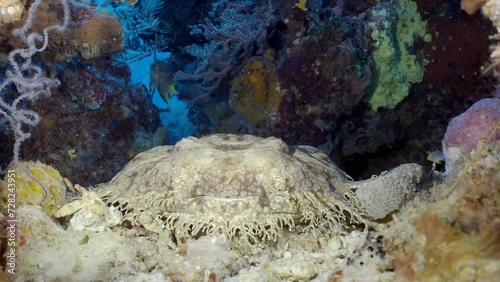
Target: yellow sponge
(256,87)
(19,189)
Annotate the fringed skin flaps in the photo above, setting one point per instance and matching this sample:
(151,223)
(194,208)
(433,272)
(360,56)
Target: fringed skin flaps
(242,186)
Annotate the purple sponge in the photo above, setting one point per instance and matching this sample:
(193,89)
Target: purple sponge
(466,130)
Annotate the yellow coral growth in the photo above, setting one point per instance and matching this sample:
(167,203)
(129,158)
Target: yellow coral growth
(255,92)
(442,253)
(29,192)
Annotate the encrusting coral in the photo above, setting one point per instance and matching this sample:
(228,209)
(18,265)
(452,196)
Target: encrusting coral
(456,235)
(256,87)
(29,192)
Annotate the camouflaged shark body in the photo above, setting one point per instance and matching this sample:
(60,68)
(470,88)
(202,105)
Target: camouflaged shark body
(251,187)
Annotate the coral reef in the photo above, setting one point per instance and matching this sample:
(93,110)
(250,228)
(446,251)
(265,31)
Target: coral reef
(233,33)
(449,232)
(316,93)
(326,61)
(91,125)
(454,235)
(368,142)
(91,34)
(359,80)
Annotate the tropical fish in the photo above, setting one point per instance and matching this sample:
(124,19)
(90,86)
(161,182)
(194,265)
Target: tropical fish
(435,157)
(162,78)
(91,103)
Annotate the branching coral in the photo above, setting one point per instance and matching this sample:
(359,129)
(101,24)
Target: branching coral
(233,33)
(143,31)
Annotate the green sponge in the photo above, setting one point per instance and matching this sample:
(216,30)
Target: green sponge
(394,30)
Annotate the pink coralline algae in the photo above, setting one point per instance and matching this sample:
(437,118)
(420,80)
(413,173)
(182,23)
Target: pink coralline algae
(464,132)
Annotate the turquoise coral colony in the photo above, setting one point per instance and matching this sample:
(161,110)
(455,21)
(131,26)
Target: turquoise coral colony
(253,140)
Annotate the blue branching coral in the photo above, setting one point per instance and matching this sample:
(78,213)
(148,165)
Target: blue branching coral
(232,33)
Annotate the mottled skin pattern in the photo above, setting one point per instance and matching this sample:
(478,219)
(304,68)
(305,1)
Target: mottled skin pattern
(237,185)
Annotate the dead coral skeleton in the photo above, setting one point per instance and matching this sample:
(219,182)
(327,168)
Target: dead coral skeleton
(89,212)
